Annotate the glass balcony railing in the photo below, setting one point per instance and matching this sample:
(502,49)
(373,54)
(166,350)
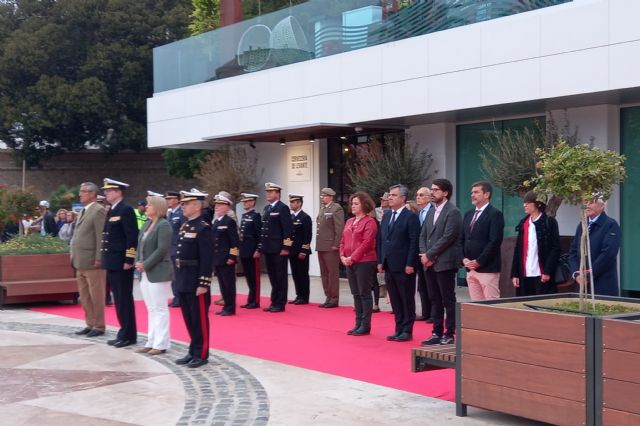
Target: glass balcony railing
(316,29)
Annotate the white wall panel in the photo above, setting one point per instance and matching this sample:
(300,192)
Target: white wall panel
(323,109)
(584,71)
(623,20)
(286,114)
(405,98)
(456,49)
(574,26)
(361,104)
(321,75)
(511,39)
(360,68)
(511,82)
(285,83)
(254,118)
(455,90)
(624,64)
(405,59)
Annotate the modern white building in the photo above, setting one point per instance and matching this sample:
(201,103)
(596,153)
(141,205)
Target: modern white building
(444,72)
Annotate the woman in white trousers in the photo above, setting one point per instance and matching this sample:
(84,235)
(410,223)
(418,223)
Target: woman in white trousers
(153,260)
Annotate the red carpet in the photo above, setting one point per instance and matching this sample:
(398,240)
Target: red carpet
(308,337)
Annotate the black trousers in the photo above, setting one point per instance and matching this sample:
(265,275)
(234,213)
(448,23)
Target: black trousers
(532,286)
(174,290)
(195,311)
(360,276)
(300,274)
(442,290)
(402,292)
(425,302)
(249,268)
(277,271)
(226,275)
(121,283)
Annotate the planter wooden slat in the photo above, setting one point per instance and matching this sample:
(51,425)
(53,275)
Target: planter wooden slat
(619,418)
(621,335)
(522,403)
(527,323)
(35,267)
(525,350)
(530,378)
(621,365)
(620,395)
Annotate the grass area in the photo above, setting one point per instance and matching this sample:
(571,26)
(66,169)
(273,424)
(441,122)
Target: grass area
(597,308)
(33,244)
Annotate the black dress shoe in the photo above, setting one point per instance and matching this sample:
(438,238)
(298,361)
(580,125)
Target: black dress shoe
(393,337)
(361,332)
(196,362)
(95,333)
(433,340)
(350,332)
(184,360)
(225,313)
(322,305)
(300,302)
(273,309)
(268,309)
(404,337)
(112,342)
(85,330)
(331,305)
(123,343)
(250,306)
(429,320)
(293,302)
(174,305)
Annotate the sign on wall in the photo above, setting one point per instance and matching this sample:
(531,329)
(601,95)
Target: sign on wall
(300,163)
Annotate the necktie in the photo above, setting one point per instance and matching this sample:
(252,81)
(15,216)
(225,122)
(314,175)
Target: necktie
(392,221)
(475,218)
(81,213)
(423,213)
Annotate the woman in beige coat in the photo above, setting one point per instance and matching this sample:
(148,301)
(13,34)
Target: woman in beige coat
(153,260)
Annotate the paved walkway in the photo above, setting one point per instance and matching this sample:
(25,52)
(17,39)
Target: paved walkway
(50,376)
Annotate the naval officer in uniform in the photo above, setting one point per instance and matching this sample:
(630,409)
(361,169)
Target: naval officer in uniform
(225,253)
(194,256)
(275,243)
(176,219)
(250,231)
(300,249)
(118,252)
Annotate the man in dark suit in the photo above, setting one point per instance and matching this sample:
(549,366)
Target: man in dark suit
(604,241)
(275,243)
(423,200)
(397,247)
(300,249)
(480,239)
(176,219)
(194,266)
(225,253)
(441,256)
(250,232)
(119,242)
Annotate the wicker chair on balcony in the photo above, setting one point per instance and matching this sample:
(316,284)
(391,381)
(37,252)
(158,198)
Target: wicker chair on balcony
(289,43)
(254,48)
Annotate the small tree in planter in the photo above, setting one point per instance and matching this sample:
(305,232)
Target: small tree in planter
(578,174)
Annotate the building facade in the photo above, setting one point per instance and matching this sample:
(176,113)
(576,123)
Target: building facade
(445,73)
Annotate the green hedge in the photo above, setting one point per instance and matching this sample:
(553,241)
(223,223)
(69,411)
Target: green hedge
(33,244)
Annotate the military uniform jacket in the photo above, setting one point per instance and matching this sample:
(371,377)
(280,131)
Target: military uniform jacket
(119,237)
(330,222)
(194,256)
(277,228)
(225,240)
(176,219)
(250,232)
(302,234)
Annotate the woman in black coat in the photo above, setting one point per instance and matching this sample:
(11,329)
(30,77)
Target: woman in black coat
(537,250)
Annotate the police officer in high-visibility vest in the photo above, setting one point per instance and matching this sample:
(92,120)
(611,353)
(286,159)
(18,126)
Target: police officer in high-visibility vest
(194,256)
(118,252)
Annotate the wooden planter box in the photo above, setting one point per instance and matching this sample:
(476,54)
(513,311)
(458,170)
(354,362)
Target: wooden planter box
(536,364)
(37,278)
(618,371)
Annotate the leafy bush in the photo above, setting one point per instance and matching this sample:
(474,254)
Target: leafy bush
(33,244)
(14,203)
(64,197)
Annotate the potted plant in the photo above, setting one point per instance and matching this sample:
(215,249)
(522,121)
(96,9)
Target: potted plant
(36,268)
(544,347)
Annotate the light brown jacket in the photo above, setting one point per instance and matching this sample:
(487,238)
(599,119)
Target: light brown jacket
(330,222)
(87,237)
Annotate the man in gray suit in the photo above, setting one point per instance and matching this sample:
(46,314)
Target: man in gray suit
(85,258)
(440,253)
